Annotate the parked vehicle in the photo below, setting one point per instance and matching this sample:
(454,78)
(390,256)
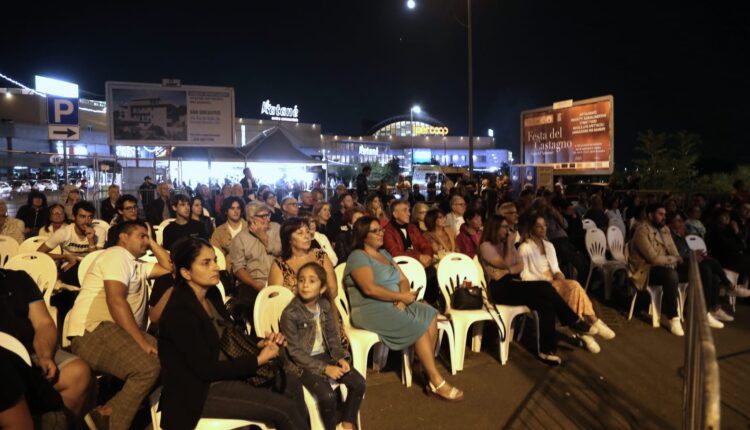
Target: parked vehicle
(21,187)
(5,188)
(47,185)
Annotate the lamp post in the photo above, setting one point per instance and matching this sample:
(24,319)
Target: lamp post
(415,109)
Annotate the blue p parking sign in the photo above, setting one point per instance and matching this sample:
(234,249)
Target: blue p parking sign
(62,111)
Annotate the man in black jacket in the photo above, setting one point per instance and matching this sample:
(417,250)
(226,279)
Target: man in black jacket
(362,189)
(160,209)
(33,213)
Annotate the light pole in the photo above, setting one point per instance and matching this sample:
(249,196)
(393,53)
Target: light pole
(414,109)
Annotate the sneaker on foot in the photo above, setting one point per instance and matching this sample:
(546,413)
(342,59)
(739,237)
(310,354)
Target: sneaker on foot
(721,315)
(591,344)
(604,331)
(713,322)
(739,292)
(675,326)
(582,327)
(550,358)
(96,421)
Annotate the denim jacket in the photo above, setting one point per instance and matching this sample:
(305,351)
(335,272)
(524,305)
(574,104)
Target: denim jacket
(298,327)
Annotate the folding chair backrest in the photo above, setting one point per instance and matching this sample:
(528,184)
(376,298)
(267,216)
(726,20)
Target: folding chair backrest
(616,243)
(342,301)
(159,230)
(588,224)
(15,346)
(33,243)
(696,243)
(453,270)
(40,267)
(596,245)
(414,273)
(101,228)
(480,272)
(85,264)
(269,305)
(221,259)
(619,223)
(8,248)
(100,223)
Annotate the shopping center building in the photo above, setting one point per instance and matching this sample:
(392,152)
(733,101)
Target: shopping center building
(272,148)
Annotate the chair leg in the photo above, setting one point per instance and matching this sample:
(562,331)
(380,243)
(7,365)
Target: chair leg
(588,278)
(459,335)
(522,324)
(681,296)
(359,358)
(656,296)
(448,329)
(406,375)
(632,305)
(312,410)
(379,357)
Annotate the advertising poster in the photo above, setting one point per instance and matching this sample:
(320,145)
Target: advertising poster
(576,138)
(152,114)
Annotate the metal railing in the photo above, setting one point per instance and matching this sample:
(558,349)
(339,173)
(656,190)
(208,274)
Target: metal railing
(701,404)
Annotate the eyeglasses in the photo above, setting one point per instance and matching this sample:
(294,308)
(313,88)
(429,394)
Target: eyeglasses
(376,231)
(129,208)
(262,215)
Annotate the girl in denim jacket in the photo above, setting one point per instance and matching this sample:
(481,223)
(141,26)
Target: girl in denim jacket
(314,346)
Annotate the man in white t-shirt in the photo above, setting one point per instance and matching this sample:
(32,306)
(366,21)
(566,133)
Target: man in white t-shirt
(107,324)
(455,218)
(76,240)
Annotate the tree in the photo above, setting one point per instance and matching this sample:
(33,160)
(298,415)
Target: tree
(668,161)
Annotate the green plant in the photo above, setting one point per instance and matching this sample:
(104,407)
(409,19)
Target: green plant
(668,161)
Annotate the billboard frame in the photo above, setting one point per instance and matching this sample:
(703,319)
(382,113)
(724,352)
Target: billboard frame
(610,98)
(111,85)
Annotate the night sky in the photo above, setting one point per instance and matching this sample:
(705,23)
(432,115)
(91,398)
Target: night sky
(670,66)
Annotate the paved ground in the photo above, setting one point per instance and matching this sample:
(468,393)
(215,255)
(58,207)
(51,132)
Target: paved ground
(634,383)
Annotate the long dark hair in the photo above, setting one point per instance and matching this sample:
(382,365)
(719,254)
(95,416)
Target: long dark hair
(287,229)
(184,252)
(490,229)
(360,230)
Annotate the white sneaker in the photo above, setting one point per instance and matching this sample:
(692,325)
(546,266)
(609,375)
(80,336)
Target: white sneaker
(720,315)
(604,331)
(675,326)
(591,344)
(713,322)
(740,292)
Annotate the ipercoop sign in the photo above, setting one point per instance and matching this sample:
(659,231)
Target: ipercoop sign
(422,130)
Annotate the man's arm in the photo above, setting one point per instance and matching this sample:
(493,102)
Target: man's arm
(122,315)
(163,261)
(45,337)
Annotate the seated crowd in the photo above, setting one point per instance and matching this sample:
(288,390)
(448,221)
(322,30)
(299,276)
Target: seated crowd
(148,312)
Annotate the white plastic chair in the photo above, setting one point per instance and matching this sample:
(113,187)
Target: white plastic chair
(508,314)
(203,423)
(15,346)
(8,248)
(101,228)
(221,259)
(85,264)
(42,269)
(360,340)
(696,243)
(654,309)
(159,230)
(588,224)
(414,272)
(596,245)
(454,268)
(33,243)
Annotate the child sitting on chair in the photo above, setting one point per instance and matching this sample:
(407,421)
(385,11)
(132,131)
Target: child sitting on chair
(314,345)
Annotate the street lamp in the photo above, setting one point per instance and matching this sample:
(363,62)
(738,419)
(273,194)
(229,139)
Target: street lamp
(414,110)
(411,5)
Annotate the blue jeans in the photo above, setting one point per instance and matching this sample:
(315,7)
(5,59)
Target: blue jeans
(326,397)
(242,401)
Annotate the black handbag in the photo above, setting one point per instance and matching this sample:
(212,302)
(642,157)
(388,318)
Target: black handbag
(467,299)
(235,344)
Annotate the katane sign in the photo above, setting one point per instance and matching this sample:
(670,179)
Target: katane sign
(367,150)
(278,112)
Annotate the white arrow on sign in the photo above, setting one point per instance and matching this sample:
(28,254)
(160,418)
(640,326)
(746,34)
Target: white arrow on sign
(63,132)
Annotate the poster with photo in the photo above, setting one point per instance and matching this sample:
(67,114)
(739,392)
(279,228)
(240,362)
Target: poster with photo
(576,138)
(152,114)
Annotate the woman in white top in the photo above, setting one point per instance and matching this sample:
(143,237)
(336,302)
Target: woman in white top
(540,264)
(321,240)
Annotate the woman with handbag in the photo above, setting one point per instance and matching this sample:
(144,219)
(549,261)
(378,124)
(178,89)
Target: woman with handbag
(540,264)
(502,267)
(202,372)
(382,301)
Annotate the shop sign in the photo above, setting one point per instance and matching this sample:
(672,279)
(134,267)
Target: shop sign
(366,150)
(422,130)
(278,112)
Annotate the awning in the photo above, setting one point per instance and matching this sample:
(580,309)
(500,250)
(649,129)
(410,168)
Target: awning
(219,153)
(276,145)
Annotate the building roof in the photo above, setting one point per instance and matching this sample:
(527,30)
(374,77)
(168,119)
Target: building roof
(421,117)
(277,145)
(216,153)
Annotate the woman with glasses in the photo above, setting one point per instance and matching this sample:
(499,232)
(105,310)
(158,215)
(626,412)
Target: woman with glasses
(55,219)
(502,266)
(437,234)
(382,301)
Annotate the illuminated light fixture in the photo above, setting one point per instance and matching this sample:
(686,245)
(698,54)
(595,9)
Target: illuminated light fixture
(491,133)
(8,95)
(55,87)
(411,4)
(416,109)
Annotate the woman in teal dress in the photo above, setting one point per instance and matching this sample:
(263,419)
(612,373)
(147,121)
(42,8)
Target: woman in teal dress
(381,301)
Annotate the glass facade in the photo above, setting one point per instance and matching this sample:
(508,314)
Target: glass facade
(404,128)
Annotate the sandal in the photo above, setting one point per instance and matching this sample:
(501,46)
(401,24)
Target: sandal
(454,395)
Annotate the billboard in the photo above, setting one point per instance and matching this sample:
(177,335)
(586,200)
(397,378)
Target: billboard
(153,114)
(574,138)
